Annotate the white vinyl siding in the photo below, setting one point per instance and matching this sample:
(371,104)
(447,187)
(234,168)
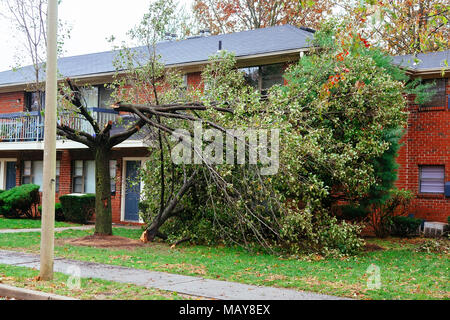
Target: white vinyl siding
(432,179)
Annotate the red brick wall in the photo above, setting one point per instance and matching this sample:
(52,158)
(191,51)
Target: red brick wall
(66,158)
(194,80)
(427,142)
(12,102)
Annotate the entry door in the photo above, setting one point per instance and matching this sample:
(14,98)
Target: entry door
(10,175)
(132,190)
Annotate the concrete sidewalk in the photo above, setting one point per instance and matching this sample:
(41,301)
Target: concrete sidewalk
(194,286)
(39,229)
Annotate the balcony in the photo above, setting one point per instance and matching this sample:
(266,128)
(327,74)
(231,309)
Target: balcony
(29,126)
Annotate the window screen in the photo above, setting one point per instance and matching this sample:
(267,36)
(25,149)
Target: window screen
(432,179)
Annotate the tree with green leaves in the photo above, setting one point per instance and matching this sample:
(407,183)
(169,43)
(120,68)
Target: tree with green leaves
(340,114)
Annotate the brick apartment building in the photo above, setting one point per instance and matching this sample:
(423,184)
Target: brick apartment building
(425,156)
(262,55)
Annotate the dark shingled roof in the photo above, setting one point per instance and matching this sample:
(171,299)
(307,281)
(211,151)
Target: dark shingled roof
(246,43)
(424,61)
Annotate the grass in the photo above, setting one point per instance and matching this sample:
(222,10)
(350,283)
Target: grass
(90,289)
(405,274)
(29,224)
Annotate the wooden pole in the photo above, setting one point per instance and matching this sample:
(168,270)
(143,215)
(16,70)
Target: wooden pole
(49,179)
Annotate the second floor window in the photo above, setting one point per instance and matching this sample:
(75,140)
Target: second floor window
(264,77)
(32,101)
(439,99)
(97,97)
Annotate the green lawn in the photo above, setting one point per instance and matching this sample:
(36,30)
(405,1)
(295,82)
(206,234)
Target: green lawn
(405,274)
(90,289)
(29,224)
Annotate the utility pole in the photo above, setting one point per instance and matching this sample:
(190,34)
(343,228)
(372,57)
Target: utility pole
(49,179)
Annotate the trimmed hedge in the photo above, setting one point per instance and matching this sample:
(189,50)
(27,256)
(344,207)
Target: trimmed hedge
(78,208)
(21,201)
(405,226)
(59,215)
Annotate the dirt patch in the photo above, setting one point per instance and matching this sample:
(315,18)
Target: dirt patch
(370,247)
(103,242)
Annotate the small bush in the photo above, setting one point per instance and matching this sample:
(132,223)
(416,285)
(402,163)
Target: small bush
(405,226)
(59,215)
(381,217)
(78,208)
(21,201)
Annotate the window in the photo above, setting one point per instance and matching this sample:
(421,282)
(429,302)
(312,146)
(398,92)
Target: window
(97,97)
(112,172)
(33,173)
(264,77)
(90,97)
(58,170)
(432,179)
(105,100)
(439,99)
(32,101)
(84,176)
(251,76)
(271,75)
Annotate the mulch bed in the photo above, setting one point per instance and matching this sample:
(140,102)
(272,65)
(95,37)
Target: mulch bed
(99,241)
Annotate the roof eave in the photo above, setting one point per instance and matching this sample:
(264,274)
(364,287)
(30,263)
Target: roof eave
(193,65)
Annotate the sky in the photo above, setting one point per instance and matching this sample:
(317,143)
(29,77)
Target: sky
(92,22)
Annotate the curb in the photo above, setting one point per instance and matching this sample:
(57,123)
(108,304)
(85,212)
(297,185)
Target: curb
(25,294)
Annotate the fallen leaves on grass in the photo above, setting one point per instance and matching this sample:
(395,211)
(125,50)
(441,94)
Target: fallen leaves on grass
(275,277)
(200,269)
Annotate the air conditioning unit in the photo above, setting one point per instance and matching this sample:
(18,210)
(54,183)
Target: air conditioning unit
(433,229)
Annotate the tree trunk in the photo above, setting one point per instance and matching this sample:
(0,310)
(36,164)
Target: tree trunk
(103,212)
(168,212)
